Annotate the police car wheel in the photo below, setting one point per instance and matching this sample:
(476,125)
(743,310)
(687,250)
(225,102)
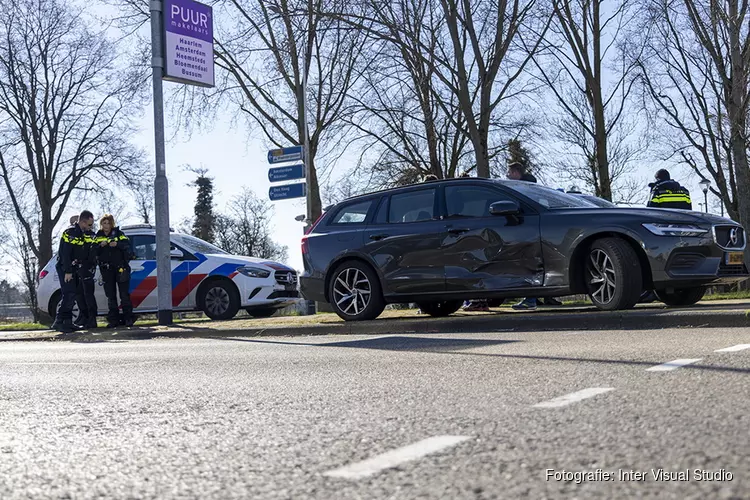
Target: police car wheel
(54,306)
(220,301)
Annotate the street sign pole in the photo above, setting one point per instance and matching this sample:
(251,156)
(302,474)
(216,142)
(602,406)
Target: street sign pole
(161,184)
(306,138)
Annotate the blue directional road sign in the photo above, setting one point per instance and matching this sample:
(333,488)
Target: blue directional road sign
(285,154)
(286,173)
(287,191)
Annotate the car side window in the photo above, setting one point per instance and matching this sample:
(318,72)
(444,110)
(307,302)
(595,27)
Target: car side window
(471,201)
(414,206)
(143,246)
(353,214)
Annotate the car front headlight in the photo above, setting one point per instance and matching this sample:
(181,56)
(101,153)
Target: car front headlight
(661,229)
(253,272)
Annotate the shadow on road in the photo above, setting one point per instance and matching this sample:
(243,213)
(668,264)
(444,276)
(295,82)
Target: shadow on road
(454,346)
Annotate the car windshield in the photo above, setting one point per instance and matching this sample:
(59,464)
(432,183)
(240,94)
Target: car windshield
(198,245)
(549,198)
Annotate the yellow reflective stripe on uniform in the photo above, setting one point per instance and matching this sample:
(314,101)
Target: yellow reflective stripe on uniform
(122,237)
(73,241)
(88,239)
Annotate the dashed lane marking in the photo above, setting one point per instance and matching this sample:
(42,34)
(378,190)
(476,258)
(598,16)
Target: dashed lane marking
(573,397)
(672,365)
(395,457)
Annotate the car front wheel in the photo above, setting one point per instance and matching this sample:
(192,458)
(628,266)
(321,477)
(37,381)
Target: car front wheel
(354,292)
(440,309)
(681,297)
(220,300)
(613,274)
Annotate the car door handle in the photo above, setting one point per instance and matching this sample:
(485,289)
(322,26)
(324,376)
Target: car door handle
(377,237)
(458,230)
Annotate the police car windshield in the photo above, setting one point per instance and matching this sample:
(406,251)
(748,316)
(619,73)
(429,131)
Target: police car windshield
(549,198)
(199,246)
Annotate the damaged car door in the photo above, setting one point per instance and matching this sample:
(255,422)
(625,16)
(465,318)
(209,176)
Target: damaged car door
(492,240)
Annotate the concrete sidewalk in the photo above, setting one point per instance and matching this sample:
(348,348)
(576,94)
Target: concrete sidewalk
(710,314)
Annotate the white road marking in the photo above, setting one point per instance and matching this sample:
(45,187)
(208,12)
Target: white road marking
(734,348)
(395,457)
(573,397)
(672,365)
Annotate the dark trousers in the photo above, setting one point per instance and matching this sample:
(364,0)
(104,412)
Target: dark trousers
(111,287)
(85,294)
(68,297)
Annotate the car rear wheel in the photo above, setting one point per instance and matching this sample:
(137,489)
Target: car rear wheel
(613,274)
(220,300)
(440,309)
(355,293)
(681,296)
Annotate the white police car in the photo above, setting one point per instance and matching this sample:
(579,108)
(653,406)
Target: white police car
(204,278)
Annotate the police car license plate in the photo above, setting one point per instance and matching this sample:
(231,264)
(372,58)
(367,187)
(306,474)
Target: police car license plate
(735,258)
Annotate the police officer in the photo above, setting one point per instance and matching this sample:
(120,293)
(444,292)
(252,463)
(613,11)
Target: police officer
(70,254)
(85,283)
(113,254)
(668,193)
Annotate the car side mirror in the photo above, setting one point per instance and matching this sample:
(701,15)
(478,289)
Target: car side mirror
(505,208)
(176,253)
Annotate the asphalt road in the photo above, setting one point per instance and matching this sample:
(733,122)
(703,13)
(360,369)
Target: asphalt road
(389,416)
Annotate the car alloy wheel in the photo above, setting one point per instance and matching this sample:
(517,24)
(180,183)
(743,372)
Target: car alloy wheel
(217,301)
(352,291)
(602,276)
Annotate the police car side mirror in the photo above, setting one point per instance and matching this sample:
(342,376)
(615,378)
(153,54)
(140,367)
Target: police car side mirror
(176,253)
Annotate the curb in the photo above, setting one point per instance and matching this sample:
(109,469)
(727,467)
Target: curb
(642,319)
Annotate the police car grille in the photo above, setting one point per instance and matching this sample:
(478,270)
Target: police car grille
(286,277)
(724,236)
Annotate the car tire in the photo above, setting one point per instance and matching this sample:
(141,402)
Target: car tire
(261,313)
(54,305)
(367,303)
(440,309)
(220,300)
(681,296)
(613,274)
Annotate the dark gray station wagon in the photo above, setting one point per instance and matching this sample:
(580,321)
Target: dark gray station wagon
(440,243)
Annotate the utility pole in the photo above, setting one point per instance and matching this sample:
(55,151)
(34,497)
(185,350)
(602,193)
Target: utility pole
(161,184)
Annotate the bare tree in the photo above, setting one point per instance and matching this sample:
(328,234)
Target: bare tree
(65,108)
(245,228)
(143,192)
(581,53)
(696,73)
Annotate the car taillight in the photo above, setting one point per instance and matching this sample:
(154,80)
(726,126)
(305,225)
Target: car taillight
(305,246)
(43,274)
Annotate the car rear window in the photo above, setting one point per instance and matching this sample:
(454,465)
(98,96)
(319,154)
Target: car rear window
(353,214)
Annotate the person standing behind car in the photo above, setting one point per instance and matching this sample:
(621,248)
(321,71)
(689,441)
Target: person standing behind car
(113,252)
(668,193)
(69,254)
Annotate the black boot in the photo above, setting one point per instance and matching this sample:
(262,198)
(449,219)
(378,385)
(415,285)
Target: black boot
(91,324)
(65,326)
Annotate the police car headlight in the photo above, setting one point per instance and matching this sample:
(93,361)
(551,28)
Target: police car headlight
(675,229)
(253,272)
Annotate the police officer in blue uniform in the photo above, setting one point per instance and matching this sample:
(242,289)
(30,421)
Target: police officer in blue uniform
(70,254)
